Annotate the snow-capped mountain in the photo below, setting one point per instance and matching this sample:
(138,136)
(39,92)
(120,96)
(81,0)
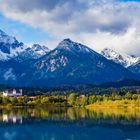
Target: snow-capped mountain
(9,46)
(120,58)
(135,68)
(40,50)
(67,47)
(71,63)
(30,53)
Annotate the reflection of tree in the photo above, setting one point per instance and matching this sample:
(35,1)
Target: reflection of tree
(71,113)
(121,115)
(76,115)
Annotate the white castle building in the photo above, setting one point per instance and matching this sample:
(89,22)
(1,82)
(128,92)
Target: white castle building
(13,93)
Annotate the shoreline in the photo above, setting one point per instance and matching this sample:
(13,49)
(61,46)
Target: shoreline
(122,104)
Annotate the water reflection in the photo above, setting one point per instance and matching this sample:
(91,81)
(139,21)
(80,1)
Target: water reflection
(12,118)
(70,115)
(69,124)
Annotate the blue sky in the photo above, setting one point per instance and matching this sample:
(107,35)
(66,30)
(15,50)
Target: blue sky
(21,31)
(130,0)
(97,24)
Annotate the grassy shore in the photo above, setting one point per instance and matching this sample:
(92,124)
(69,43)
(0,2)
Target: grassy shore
(115,104)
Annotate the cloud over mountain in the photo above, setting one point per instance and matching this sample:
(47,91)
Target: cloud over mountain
(102,23)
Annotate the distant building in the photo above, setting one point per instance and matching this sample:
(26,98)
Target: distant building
(82,96)
(13,93)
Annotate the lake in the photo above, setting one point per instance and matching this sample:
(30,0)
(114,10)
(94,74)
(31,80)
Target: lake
(69,124)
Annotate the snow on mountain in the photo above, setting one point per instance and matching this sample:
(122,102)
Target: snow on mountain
(135,68)
(59,56)
(6,39)
(120,58)
(73,63)
(69,63)
(30,53)
(40,50)
(9,46)
(69,45)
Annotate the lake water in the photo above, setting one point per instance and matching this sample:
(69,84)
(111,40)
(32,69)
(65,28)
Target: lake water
(69,124)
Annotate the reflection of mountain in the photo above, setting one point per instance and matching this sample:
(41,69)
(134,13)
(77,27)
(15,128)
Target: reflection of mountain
(70,124)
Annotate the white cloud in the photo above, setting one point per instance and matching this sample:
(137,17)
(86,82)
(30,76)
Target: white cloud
(128,41)
(98,24)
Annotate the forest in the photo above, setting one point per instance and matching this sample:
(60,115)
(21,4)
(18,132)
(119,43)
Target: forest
(73,99)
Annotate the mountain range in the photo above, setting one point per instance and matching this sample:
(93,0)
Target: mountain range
(120,58)
(130,62)
(70,63)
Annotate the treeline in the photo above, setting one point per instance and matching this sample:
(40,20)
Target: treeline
(105,88)
(115,97)
(87,89)
(72,99)
(33,101)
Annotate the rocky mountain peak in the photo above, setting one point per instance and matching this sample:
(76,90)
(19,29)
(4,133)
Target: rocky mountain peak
(120,58)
